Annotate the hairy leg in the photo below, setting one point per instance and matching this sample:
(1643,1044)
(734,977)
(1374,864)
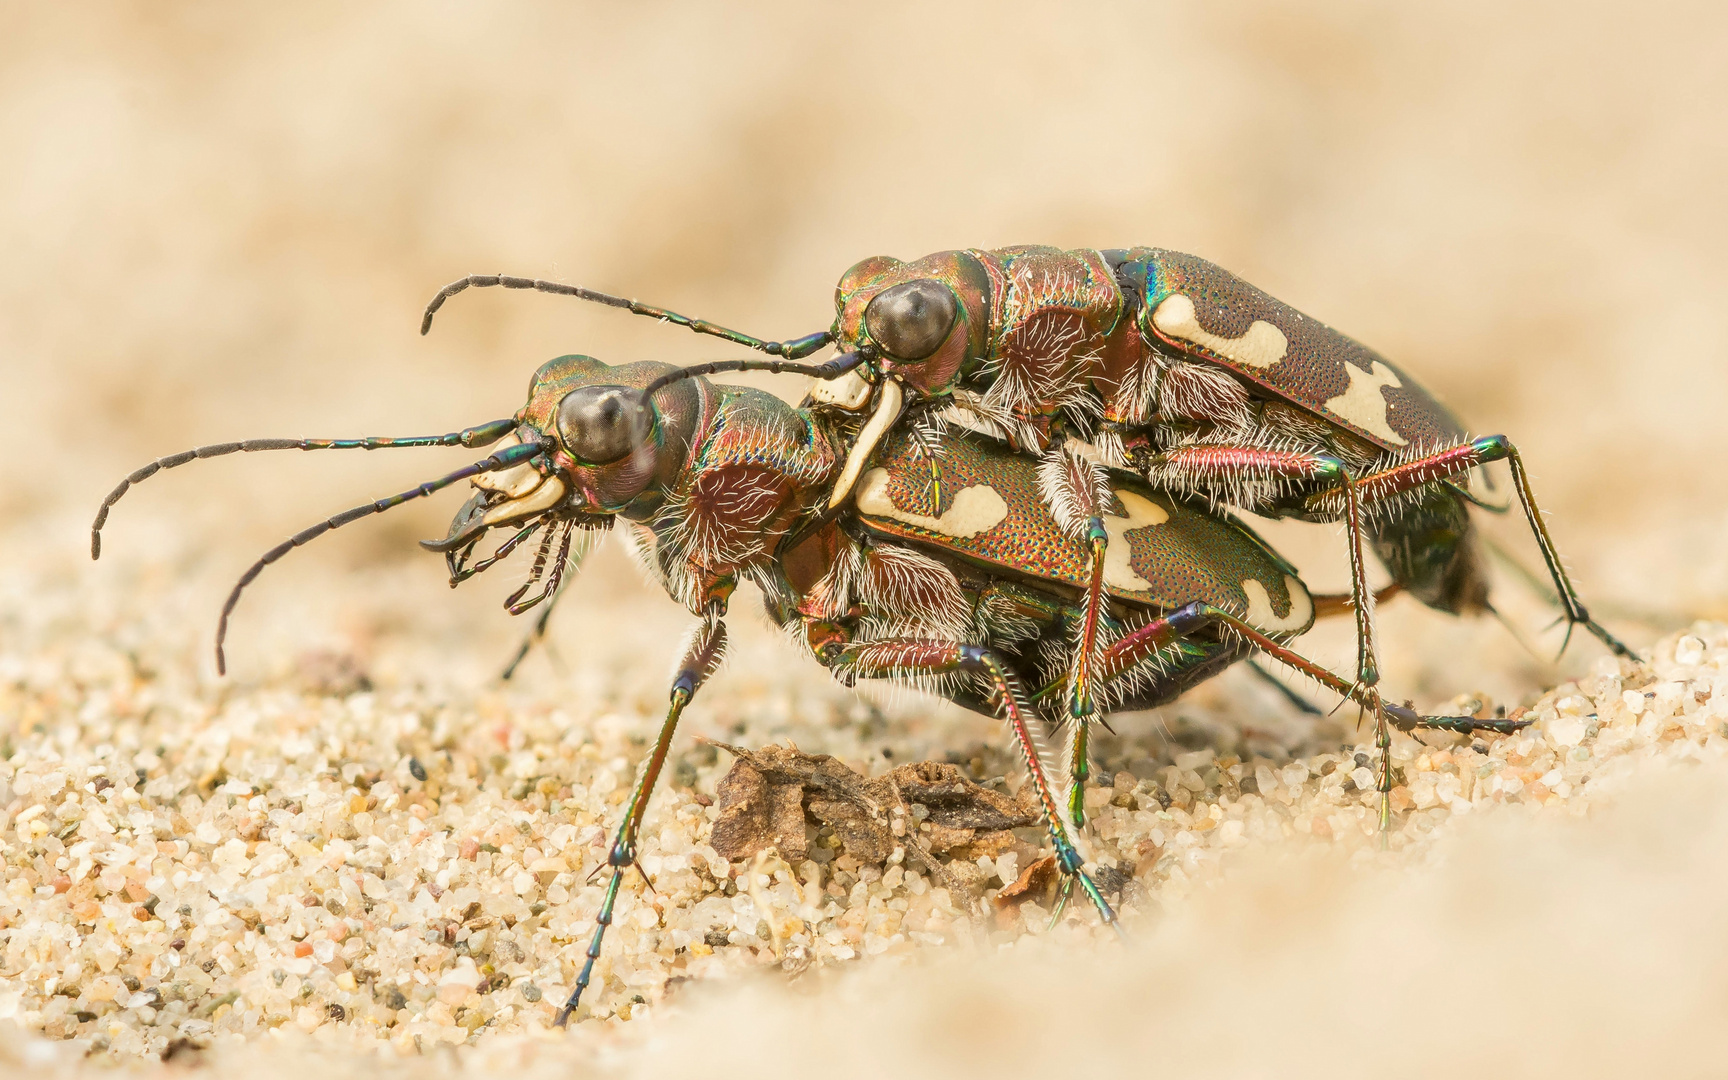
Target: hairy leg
(706,648)
(922,657)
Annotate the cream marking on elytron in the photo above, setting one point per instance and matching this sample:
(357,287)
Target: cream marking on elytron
(1364,405)
(1262,346)
(1260,606)
(976,509)
(1118,569)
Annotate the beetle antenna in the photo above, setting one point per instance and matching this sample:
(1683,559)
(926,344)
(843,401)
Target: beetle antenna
(503,459)
(795,349)
(827,370)
(480,435)
(830,369)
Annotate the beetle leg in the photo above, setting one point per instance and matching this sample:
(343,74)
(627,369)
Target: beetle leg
(1246,469)
(1078,493)
(707,646)
(1367,660)
(1301,703)
(535,635)
(923,657)
(1461,459)
(1146,642)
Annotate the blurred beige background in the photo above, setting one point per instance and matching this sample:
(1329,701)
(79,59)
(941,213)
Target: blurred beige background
(222,220)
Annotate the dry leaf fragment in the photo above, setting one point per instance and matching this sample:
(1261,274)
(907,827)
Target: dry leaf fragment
(1032,883)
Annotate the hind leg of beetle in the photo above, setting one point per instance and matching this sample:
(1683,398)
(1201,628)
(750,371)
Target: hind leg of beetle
(1238,469)
(1453,463)
(1163,635)
(919,657)
(1301,703)
(1077,492)
(701,656)
(1367,659)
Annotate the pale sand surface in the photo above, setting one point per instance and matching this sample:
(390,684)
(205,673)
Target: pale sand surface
(220,222)
(257,865)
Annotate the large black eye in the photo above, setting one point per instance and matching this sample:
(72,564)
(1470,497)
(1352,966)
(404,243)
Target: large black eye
(596,422)
(910,321)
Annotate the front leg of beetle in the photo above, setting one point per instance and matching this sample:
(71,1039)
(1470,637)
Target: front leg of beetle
(706,647)
(919,657)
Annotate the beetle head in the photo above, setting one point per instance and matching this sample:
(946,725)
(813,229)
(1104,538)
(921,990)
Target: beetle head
(923,321)
(606,452)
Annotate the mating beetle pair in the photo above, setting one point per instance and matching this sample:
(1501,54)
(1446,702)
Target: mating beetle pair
(1166,366)
(898,549)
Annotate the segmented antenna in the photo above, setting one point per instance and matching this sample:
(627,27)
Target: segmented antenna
(830,369)
(639,434)
(481,435)
(796,349)
(503,459)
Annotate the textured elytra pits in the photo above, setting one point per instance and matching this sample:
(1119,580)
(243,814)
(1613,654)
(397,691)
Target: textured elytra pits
(281,865)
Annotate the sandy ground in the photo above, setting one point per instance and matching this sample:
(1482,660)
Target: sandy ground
(221,222)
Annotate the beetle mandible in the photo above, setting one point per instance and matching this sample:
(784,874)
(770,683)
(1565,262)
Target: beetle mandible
(967,586)
(1165,364)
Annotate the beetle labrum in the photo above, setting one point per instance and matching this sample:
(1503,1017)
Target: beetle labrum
(947,571)
(1168,366)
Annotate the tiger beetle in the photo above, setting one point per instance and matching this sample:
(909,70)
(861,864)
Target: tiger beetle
(945,569)
(1169,367)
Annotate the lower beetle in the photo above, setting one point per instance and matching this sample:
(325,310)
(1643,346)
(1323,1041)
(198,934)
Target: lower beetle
(946,571)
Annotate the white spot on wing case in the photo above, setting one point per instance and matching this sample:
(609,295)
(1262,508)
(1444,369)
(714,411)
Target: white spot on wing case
(1364,405)
(1260,611)
(1261,346)
(975,510)
(1118,569)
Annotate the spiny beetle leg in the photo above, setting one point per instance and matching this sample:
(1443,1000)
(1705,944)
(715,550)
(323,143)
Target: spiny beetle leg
(1448,464)
(1301,703)
(916,656)
(1147,641)
(1079,771)
(1406,719)
(1241,468)
(1078,492)
(706,648)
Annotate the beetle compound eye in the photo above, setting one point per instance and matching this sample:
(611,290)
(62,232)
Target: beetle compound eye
(910,321)
(595,423)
